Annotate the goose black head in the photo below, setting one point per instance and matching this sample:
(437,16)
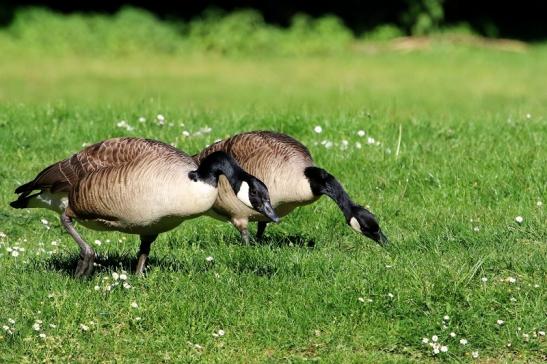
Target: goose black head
(254,193)
(248,189)
(364,222)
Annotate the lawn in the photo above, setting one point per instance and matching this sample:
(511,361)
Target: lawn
(454,151)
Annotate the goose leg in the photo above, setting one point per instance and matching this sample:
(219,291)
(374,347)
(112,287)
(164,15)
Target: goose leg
(87,255)
(260,231)
(241,224)
(144,251)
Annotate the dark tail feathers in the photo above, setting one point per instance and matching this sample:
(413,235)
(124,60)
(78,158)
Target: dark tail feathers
(27,187)
(20,203)
(23,200)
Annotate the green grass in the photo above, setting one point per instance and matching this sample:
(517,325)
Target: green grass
(470,156)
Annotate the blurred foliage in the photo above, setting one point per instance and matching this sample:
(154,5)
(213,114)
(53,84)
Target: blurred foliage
(132,30)
(423,16)
(384,33)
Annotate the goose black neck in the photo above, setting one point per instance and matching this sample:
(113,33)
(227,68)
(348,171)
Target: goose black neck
(323,183)
(215,164)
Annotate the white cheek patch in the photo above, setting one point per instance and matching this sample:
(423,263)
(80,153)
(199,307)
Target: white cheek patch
(243,194)
(355,224)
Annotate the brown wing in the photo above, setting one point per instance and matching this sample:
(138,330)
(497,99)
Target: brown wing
(266,145)
(61,176)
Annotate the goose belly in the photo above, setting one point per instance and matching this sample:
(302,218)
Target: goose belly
(151,204)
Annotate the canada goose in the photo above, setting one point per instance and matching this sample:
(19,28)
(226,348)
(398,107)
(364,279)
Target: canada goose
(286,167)
(136,186)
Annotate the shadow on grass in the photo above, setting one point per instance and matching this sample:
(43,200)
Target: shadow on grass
(116,262)
(278,240)
(127,261)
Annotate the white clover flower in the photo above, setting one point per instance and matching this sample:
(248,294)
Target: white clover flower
(36,326)
(15,253)
(42,335)
(344,144)
(328,144)
(463,341)
(434,338)
(44,221)
(513,299)
(186,133)
(484,279)
(528,116)
(390,295)
(134,304)
(221,332)
(160,117)
(209,258)
(361,299)
(2,235)
(123,277)
(97,288)
(446,317)
(361,133)
(358,145)
(425,340)
(11,321)
(126,285)
(436,351)
(388,266)
(84,327)
(541,333)
(511,279)
(198,347)
(519,219)
(538,204)
(536,285)
(142,119)
(53,326)
(115,276)
(444,348)
(54,243)
(500,322)
(5,327)
(475,354)
(318,129)
(97,242)
(138,318)
(452,334)
(370,140)
(476,229)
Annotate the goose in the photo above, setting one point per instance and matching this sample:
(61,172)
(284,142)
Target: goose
(286,167)
(136,186)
